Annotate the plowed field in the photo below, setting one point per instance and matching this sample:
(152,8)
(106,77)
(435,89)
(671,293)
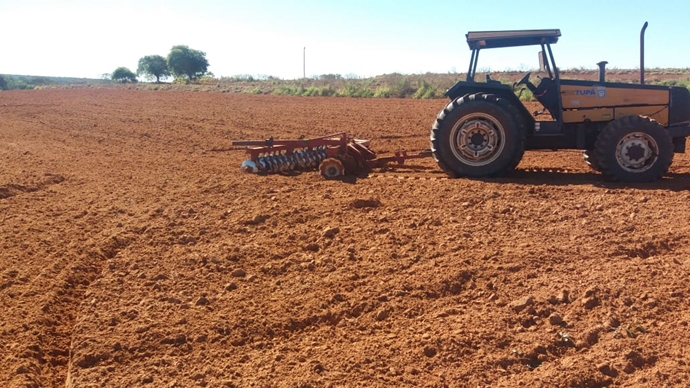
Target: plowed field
(133,252)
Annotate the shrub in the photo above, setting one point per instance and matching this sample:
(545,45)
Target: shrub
(366,92)
(288,90)
(402,88)
(353,89)
(312,91)
(327,91)
(349,90)
(425,91)
(383,92)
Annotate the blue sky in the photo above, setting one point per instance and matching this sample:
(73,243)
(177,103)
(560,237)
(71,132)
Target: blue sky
(81,38)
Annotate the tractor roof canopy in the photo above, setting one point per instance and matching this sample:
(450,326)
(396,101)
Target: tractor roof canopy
(497,39)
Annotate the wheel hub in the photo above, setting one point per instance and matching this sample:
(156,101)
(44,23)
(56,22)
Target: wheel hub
(637,152)
(478,139)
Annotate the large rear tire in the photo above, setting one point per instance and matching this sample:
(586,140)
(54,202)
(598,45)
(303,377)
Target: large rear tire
(478,135)
(634,149)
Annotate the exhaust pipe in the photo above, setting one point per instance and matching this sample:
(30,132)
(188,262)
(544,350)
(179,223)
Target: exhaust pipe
(602,71)
(644,27)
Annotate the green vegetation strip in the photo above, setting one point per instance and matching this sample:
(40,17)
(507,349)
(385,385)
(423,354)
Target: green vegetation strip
(419,86)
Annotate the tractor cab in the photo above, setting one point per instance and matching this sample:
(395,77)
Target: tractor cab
(546,91)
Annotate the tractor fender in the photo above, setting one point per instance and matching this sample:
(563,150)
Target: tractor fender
(463,88)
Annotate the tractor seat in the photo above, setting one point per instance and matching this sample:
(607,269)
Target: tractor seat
(547,95)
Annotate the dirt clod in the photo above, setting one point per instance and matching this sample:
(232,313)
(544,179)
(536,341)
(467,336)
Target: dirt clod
(555,319)
(606,369)
(563,297)
(331,232)
(365,203)
(520,304)
(430,351)
(238,273)
(312,247)
(383,314)
(591,302)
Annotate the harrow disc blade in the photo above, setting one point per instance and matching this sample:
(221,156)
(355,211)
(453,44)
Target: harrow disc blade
(249,167)
(263,165)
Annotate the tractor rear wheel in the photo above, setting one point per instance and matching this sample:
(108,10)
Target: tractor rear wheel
(634,149)
(478,135)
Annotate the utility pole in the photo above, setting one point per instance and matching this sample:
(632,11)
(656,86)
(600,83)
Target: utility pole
(304,63)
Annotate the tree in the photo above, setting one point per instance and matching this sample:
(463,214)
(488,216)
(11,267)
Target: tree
(186,62)
(153,66)
(123,74)
(3,83)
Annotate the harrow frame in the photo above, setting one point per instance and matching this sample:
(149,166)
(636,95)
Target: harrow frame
(334,155)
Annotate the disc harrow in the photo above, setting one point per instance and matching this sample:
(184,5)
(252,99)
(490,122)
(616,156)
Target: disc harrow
(277,162)
(333,155)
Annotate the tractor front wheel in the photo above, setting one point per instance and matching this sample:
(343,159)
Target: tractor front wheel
(634,149)
(478,135)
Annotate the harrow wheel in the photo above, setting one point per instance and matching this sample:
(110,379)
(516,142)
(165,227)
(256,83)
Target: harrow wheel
(331,168)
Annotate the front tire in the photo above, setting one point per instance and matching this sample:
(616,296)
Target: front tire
(478,135)
(634,149)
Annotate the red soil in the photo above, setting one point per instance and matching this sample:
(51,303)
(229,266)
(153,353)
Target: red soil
(134,252)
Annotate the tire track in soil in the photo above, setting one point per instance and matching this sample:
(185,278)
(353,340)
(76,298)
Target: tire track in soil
(45,276)
(106,250)
(10,190)
(44,356)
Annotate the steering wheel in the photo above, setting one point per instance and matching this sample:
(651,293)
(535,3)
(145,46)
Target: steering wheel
(525,80)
